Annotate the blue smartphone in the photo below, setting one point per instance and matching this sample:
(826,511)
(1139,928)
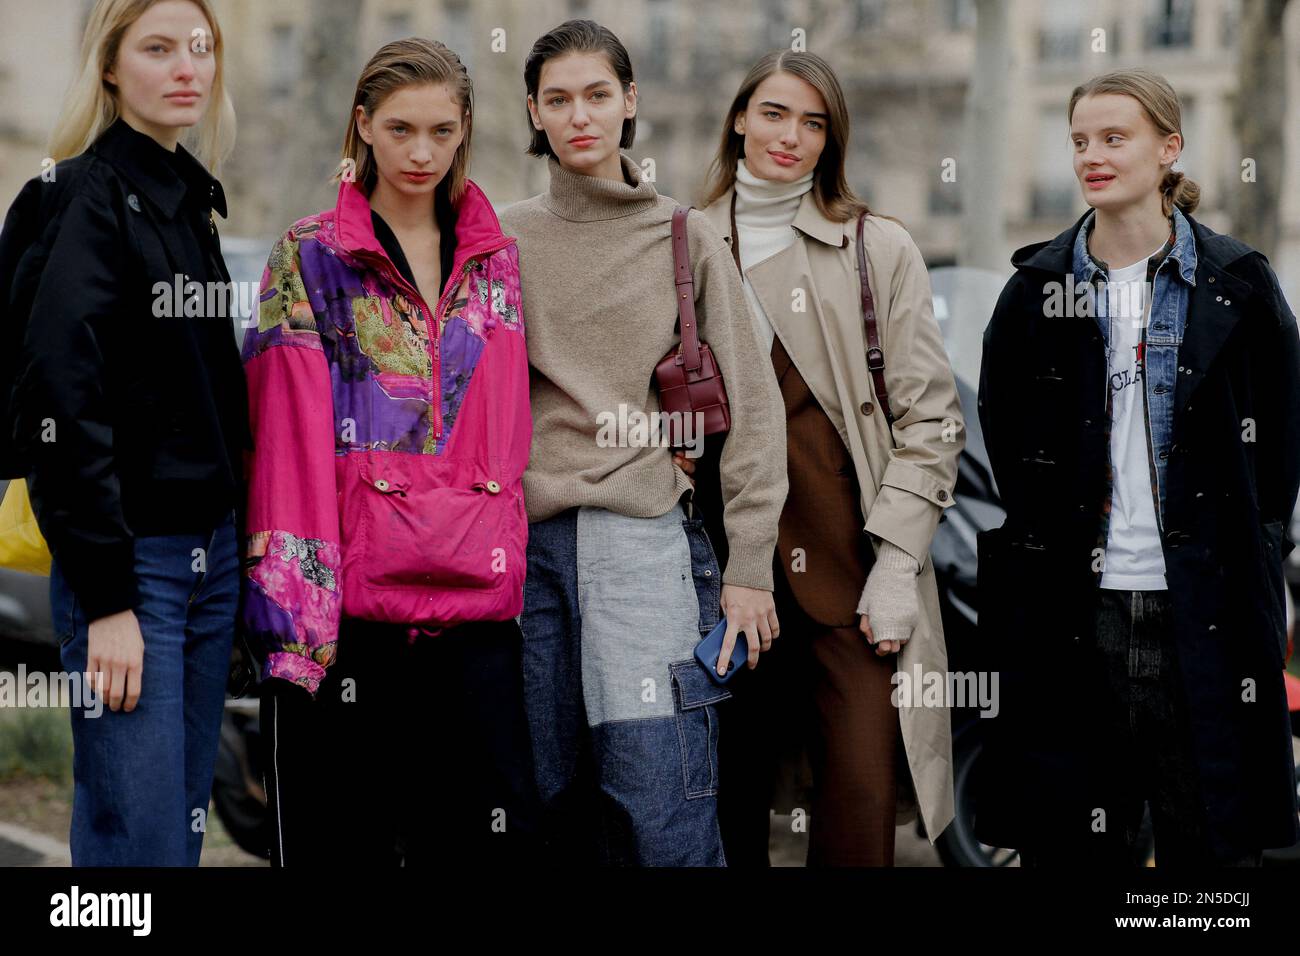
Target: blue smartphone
(707,651)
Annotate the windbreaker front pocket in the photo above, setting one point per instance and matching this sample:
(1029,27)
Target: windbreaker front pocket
(435,527)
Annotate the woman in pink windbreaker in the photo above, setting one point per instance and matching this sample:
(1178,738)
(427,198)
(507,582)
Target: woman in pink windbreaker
(388,387)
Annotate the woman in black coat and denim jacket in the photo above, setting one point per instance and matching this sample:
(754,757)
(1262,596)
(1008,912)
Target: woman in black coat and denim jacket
(1133,600)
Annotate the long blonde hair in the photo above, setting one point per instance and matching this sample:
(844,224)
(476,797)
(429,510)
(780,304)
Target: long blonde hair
(91,107)
(410,62)
(1159,101)
(831,190)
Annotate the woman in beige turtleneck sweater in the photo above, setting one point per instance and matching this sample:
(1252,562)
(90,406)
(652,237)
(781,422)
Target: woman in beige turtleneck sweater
(621,581)
(853,586)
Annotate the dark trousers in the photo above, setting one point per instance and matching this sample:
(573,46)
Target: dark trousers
(1147,740)
(824,688)
(414,751)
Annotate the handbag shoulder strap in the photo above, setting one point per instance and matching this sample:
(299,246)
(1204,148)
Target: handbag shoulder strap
(875,354)
(685,290)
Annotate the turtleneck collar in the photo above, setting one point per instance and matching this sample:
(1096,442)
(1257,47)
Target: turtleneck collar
(766,202)
(580,198)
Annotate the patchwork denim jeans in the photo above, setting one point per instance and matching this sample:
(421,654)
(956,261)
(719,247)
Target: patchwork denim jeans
(621,716)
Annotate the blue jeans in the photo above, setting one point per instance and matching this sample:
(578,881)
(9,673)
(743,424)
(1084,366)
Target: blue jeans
(621,716)
(142,780)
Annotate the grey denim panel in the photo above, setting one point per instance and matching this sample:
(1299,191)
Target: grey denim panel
(640,613)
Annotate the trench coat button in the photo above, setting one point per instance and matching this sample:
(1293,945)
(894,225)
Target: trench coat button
(1180,368)
(868,408)
(493,487)
(942,495)
(1211,278)
(381,484)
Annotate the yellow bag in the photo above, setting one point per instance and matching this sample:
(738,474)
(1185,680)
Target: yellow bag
(22,548)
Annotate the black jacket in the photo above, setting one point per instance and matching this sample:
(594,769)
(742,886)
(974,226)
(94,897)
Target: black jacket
(1229,501)
(128,422)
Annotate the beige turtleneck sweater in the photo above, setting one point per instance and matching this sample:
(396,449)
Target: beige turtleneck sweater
(599,306)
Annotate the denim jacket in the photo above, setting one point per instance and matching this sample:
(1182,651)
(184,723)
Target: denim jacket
(1163,336)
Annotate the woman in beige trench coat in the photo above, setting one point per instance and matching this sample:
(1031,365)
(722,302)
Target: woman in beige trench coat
(779,194)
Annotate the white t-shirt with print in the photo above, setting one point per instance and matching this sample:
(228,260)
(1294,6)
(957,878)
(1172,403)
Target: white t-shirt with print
(1134,560)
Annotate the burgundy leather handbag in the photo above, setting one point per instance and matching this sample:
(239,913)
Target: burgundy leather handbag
(688,377)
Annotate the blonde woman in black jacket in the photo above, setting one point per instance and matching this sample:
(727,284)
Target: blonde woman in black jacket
(129,421)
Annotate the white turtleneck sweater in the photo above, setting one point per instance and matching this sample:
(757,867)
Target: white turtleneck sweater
(765,210)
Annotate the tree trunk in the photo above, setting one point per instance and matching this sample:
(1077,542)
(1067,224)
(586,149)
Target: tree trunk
(1259,117)
(981,167)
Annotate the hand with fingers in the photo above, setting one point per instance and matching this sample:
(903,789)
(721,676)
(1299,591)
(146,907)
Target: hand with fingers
(750,612)
(115,660)
(890,603)
(685,464)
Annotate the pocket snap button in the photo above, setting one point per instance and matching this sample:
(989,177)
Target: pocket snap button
(381,484)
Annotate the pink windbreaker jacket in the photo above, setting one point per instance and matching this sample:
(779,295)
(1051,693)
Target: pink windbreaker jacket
(390,438)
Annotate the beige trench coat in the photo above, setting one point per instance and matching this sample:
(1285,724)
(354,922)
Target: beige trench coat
(811,296)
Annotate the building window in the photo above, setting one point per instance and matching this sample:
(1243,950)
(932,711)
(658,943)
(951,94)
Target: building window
(1231,14)
(458,32)
(1061,32)
(945,199)
(1052,201)
(285,59)
(959,15)
(1169,24)
(1054,185)
(396,26)
(868,14)
(654,58)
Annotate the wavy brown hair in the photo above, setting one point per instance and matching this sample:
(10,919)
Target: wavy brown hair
(831,190)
